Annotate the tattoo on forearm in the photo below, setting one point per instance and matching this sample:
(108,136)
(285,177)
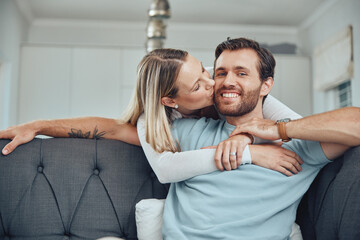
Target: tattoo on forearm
(97,134)
(77,133)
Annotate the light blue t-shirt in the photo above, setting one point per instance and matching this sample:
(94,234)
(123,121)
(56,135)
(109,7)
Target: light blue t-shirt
(250,202)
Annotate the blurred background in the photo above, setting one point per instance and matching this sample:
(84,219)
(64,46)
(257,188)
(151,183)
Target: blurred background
(70,58)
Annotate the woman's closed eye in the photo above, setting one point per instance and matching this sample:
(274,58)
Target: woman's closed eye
(197,87)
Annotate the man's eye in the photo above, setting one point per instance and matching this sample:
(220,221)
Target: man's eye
(242,74)
(220,74)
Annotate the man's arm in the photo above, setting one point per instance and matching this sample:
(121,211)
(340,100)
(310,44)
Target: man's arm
(336,130)
(86,127)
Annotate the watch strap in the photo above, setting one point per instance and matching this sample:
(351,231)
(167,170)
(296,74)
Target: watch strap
(282,131)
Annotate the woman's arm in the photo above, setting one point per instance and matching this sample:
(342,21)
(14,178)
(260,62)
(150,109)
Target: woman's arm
(86,127)
(270,156)
(274,109)
(175,167)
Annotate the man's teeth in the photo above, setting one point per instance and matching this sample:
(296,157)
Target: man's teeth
(230,95)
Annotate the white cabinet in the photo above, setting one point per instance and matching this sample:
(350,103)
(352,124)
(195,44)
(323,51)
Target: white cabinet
(130,58)
(292,83)
(59,82)
(45,80)
(95,85)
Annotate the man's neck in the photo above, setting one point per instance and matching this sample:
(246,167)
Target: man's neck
(238,120)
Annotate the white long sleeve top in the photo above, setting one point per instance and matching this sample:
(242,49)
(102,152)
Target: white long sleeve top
(175,167)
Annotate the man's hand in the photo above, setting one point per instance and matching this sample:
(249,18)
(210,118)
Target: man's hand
(275,157)
(235,144)
(262,128)
(19,135)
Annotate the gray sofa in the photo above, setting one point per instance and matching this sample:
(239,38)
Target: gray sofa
(86,189)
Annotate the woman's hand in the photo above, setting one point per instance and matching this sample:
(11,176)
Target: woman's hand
(19,135)
(276,158)
(262,128)
(235,144)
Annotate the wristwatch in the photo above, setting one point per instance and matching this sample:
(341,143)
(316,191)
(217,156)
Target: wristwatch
(282,129)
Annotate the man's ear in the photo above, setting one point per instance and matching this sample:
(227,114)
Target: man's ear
(266,86)
(169,102)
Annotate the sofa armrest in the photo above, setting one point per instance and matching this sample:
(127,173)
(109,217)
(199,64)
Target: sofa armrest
(331,207)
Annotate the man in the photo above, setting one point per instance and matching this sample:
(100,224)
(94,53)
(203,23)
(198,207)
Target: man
(250,202)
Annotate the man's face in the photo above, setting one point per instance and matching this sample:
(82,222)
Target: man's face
(237,82)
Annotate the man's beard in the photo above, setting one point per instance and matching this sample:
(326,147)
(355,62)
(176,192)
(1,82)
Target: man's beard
(249,102)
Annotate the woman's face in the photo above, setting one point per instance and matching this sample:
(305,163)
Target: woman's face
(195,87)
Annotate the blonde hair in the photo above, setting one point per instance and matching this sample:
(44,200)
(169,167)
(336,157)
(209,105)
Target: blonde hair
(156,76)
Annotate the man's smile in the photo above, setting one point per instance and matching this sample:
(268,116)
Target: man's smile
(230,95)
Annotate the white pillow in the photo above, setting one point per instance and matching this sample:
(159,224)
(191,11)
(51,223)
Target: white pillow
(148,216)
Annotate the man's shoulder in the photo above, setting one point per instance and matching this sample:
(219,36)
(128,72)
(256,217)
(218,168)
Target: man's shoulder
(310,152)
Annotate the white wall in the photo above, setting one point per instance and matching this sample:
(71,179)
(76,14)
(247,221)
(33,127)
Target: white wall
(337,16)
(13,31)
(189,36)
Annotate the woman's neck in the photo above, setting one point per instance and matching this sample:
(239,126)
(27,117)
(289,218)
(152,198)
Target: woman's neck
(190,113)
(208,112)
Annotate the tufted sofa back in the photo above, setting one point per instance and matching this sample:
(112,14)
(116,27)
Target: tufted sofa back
(73,189)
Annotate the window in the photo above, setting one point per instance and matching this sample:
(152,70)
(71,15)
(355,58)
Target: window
(344,95)
(333,66)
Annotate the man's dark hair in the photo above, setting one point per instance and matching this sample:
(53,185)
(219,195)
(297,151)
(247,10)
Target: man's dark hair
(266,65)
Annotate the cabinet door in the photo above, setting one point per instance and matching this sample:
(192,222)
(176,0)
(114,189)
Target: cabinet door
(95,87)
(130,58)
(44,83)
(292,83)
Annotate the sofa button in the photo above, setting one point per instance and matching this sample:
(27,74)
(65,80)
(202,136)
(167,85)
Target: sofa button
(66,236)
(96,171)
(40,169)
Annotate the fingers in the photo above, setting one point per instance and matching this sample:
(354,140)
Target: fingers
(291,162)
(239,153)
(10,146)
(290,167)
(284,171)
(294,159)
(218,157)
(233,157)
(236,131)
(225,157)
(4,134)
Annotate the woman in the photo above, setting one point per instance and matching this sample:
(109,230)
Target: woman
(168,79)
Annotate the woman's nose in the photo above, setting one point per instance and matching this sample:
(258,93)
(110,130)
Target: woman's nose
(210,83)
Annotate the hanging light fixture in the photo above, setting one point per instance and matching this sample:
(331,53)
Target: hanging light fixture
(156,27)
(159,9)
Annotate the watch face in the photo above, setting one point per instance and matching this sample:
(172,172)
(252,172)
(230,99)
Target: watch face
(284,120)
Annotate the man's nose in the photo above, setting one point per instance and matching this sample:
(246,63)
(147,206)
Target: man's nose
(230,80)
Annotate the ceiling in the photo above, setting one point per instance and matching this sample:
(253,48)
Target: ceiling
(247,12)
